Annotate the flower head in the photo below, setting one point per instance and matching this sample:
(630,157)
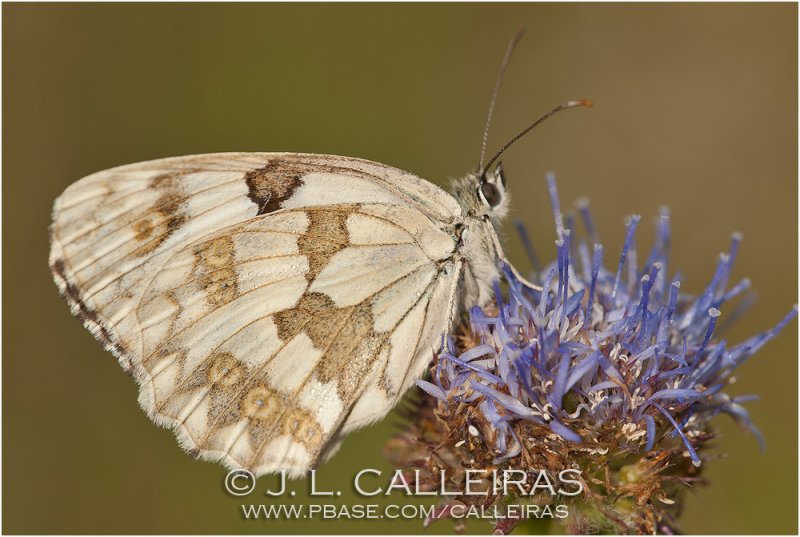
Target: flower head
(609,369)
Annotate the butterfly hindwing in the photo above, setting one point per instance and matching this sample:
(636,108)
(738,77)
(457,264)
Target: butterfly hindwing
(260,321)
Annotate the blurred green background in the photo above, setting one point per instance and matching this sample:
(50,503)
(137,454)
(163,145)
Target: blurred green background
(696,108)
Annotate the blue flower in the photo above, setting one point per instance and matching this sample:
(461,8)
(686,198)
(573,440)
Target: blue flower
(595,346)
(601,358)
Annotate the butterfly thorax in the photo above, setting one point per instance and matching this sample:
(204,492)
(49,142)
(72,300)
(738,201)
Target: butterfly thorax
(484,204)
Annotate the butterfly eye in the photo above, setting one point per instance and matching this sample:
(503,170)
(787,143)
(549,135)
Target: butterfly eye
(490,193)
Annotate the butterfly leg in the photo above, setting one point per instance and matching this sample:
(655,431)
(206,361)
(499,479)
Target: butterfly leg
(452,297)
(502,257)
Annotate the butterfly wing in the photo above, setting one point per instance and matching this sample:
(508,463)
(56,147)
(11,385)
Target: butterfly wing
(259,319)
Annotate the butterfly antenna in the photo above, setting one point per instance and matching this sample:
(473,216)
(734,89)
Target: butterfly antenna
(509,50)
(563,106)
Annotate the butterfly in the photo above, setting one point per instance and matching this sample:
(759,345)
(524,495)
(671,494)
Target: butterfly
(269,303)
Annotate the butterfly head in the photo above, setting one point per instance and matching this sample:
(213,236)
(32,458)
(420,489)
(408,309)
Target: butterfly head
(492,193)
(484,194)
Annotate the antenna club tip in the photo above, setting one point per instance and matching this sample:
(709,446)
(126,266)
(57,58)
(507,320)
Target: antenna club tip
(578,102)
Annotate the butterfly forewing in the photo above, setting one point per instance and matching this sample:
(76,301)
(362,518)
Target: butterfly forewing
(266,303)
